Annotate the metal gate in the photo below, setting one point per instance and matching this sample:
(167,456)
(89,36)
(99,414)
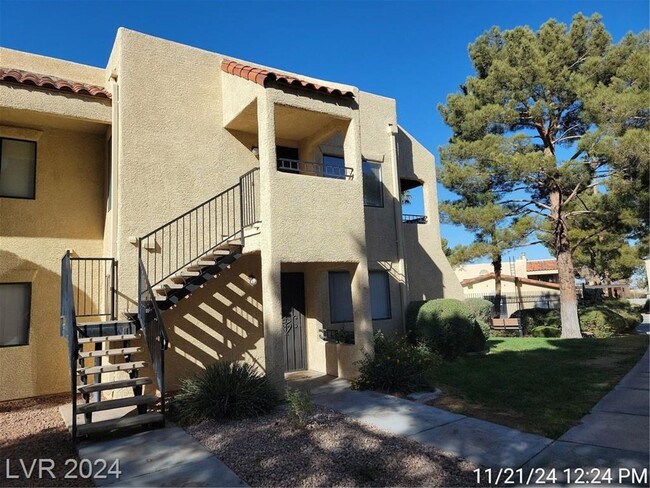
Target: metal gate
(293,321)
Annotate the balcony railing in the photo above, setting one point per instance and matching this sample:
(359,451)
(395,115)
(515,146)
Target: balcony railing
(414,219)
(311,168)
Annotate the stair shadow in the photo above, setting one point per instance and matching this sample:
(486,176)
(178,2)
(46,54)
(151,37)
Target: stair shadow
(220,321)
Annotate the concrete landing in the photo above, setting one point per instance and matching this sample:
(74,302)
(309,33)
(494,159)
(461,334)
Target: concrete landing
(162,457)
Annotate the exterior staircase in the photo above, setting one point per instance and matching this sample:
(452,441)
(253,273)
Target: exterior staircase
(178,257)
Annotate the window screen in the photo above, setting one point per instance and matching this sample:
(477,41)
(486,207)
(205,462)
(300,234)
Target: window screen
(379,295)
(340,297)
(17,168)
(372,185)
(15,301)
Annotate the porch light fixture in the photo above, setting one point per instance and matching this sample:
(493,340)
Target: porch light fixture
(252,280)
(256,151)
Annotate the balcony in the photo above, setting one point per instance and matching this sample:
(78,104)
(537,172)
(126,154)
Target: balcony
(414,219)
(311,168)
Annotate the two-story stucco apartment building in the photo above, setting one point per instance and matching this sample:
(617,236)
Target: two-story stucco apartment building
(256,214)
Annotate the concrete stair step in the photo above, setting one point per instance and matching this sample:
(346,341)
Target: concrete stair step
(118,403)
(122,423)
(92,340)
(114,385)
(120,351)
(109,368)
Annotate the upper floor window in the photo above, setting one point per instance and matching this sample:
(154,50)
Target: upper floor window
(373,187)
(15,304)
(334,167)
(17,168)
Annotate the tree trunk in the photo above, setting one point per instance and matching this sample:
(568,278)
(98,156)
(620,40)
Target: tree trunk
(568,298)
(496,263)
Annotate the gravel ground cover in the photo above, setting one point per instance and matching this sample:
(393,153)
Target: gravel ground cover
(331,450)
(33,429)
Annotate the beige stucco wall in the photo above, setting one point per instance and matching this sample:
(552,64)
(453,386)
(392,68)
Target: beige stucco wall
(429,273)
(67,213)
(221,321)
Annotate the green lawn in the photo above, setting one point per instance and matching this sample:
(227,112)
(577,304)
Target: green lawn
(537,385)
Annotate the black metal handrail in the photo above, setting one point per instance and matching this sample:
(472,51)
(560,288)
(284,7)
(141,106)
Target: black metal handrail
(153,328)
(68,330)
(315,169)
(95,281)
(185,239)
(414,219)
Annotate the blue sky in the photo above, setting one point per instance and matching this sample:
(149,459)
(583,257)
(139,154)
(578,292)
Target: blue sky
(413,51)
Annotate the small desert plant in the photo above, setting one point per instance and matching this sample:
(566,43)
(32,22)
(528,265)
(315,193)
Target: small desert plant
(225,390)
(299,406)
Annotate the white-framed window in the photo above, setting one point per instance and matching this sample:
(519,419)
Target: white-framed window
(379,295)
(340,297)
(15,305)
(17,168)
(373,187)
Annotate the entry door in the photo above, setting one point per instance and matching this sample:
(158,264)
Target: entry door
(293,321)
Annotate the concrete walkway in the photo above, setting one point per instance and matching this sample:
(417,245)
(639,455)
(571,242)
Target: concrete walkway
(479,441)
(614,435)
(162,457)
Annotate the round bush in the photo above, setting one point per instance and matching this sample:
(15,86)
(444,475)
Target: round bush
(545,331)
(482,311)
(225,390)
(445,325)
(602,322)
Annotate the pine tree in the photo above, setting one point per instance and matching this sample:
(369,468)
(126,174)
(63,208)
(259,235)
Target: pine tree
(550,116)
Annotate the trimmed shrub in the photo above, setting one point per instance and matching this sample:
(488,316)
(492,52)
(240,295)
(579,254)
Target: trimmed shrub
(396,367)
(482,311)
(538,317)
(545,331)
(631,313)
(445,325)
(602,322)
(225,390)
(299,406)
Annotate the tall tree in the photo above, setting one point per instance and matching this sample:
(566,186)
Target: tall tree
(551,115)
(494,230)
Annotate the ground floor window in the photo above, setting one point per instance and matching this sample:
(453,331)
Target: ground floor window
(379,295)
(340,297)
(15,304)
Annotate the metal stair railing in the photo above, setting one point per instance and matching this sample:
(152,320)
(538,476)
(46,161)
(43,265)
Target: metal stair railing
(183,240)
(68,329)
(153,328)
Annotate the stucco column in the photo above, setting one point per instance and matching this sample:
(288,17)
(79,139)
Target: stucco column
(271,291)
(397,214)
(363,333)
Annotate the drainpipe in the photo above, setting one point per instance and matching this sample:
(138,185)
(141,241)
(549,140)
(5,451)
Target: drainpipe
(397,214)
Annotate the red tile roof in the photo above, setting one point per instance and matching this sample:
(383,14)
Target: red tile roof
(512,279)
(263,76)
(542,265)
(22,77)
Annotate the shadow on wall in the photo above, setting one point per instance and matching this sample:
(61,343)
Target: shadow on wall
(425,278)
(221,321)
